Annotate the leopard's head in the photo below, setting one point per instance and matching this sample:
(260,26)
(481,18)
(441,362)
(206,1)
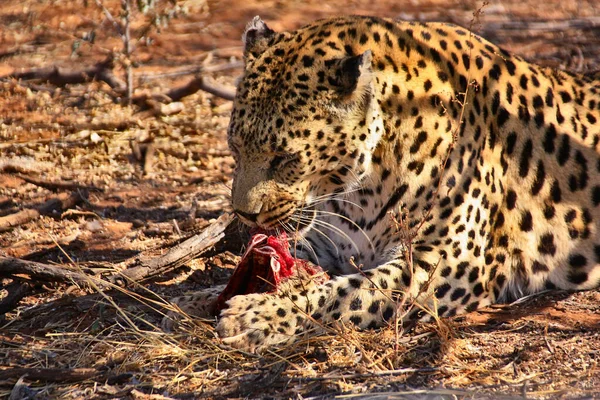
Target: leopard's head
(304,124)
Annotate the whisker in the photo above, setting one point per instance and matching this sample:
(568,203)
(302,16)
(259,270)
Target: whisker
(332,228)
(336,199)
(351,222)
(297,238)
(331,195)
(321,232)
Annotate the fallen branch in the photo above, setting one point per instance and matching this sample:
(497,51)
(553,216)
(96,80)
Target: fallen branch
(51,374)
(136,269)
(51,207)
(58,76)
(23,165)
(55,186)
(200,83)
(154,102)
(16,292)
(191,71)
(22,217)
(176,256)
(12,267)
(545,26)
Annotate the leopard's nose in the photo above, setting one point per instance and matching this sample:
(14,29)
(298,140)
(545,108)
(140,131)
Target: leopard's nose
(247,216)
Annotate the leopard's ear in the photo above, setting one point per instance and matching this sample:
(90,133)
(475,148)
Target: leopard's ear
(354,79)
(256,37)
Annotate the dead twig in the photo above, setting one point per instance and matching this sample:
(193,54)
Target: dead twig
(51,374)
(545,26)
(16,292)
(13,267)
(56,186)
(51,207)
(200,83)
(176,256)
(192,71)
(58,76)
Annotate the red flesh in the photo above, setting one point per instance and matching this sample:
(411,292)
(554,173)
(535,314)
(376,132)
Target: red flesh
(266,263)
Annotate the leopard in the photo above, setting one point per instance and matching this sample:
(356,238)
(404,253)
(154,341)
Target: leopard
(415,162)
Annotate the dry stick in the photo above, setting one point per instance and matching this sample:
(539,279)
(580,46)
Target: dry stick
(51,374)
(58,76)
(545,26)
(55,205)
(16,292)
(55,186)
(192,71)
(178,255)
(10,266)
(199,83)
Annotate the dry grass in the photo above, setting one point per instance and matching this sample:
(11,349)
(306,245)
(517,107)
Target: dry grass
(118,336)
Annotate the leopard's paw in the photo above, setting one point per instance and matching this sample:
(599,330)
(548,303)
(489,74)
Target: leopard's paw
(255,321)
(200,305)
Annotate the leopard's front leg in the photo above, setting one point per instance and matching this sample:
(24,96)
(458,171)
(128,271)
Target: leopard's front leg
(367,300)
(201,304)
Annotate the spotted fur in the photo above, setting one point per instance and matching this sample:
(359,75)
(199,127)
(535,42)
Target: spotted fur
(490,163)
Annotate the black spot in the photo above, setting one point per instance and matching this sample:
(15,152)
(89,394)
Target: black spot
(472,307)
(540,178)
(596,195)
(419,140)
(503,116)
(523,82)
(474,274)
(597,252)
(555,192)
(549,139)
(511,140)
(577,277)
(539,119)
(564,151)
(549,211)
(374,307)
(307,61)
(388,313)
(511,199)
(281,312)
(537,267)
(565,97)
(457,294)
(355,283)
(549,98)
(546,244)
(526,155)
(577,260)
(356,304)
(570,216)
(441,290)
(511,67)
(479,62)
(478,289)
